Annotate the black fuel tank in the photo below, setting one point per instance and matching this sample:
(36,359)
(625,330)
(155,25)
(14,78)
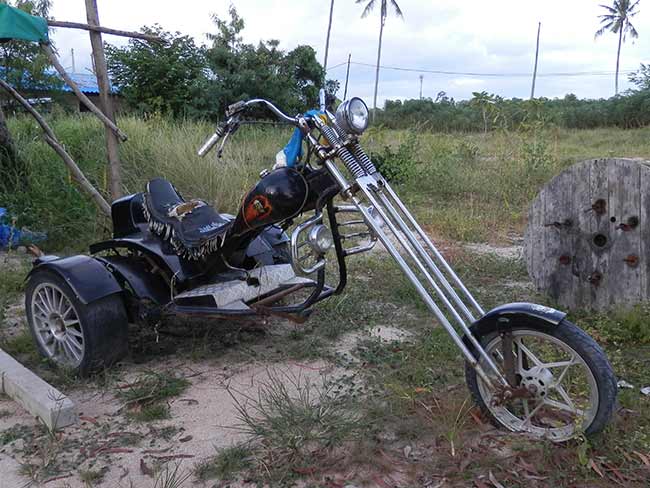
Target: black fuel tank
(278,196)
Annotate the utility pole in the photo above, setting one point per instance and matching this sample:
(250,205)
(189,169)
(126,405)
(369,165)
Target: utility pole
(532,90)
(421,80)
(74,68)
(347,77)
(101,71)
(327,42)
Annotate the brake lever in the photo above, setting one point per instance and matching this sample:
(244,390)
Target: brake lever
(232,128)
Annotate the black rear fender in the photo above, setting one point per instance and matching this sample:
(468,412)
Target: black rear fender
(88,278)
(507,316)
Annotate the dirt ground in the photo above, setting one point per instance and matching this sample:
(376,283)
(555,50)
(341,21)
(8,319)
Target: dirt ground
(203,419)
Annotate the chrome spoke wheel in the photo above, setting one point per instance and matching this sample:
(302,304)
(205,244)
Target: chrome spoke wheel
(562,398)
(56,325)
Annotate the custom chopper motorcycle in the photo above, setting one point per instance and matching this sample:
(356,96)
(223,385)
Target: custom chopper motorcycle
(527,367)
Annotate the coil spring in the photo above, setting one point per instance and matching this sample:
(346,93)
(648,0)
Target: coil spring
(346,156)
(363,158)
(358,152)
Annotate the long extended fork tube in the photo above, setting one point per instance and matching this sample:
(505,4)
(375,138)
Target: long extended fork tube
(433,249)
(424,255)
(418,248)
(392,250)
(362,169)
(368,165)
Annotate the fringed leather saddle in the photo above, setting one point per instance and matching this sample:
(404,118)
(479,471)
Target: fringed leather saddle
(193,228)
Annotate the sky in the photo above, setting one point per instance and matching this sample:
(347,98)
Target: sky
(469,36)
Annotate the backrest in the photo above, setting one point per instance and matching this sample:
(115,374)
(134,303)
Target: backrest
(128,215)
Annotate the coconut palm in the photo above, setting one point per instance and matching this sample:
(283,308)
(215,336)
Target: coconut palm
(370,5)
(617,21)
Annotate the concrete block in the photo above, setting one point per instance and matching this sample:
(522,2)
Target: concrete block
(37,396)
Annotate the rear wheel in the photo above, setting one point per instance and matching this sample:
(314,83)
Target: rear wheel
(81,337)
(570,386)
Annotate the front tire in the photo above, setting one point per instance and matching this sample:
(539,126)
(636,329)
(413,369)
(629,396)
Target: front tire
(81,337)
(575,386)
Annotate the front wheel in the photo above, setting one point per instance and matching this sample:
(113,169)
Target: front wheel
(569,385)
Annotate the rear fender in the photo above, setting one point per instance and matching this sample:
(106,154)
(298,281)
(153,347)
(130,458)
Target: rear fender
(505,317)
(88,278)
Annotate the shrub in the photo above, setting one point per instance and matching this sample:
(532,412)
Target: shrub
(398,166)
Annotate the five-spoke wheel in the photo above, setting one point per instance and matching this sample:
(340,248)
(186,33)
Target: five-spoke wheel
(565,385)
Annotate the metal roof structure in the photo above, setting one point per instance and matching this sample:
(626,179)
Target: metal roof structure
(87,83)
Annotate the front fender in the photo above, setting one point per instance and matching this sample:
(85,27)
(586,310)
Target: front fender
(88,278)
(511,315)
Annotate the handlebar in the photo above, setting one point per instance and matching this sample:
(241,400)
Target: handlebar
(212,140)
(232,123)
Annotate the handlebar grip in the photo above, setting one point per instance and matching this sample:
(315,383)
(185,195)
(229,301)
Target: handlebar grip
(210,143)
(236,107)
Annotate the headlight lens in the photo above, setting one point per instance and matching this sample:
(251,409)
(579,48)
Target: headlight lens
(352,116)
(320,239)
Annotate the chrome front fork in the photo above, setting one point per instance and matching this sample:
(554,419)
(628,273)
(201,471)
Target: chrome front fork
(424,266)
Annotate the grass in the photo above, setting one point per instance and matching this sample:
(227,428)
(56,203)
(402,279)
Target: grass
(294,425)
(225,465)
(91,477)
(145,399)
(470,186)
(172,477)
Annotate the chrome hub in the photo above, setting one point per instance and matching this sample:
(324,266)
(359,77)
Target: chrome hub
(537,381)
(57,326)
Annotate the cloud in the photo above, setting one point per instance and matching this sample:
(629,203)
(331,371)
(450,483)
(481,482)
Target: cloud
(496,36)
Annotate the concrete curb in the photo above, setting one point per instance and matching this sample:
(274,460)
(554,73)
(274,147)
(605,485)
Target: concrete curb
(37,396)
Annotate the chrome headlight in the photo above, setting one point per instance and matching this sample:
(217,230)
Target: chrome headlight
(320,239)
(352,116)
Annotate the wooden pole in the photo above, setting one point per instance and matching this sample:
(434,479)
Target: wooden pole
(381,35)
(51,139)
(532,90)
(105,30)
(327,42)
(347,78)
(101,72)
(80,95)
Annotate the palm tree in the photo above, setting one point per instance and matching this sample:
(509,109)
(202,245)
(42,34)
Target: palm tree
(617,21)
(370,5)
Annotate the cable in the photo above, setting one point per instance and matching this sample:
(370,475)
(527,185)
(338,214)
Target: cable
(494,75)
(337,66)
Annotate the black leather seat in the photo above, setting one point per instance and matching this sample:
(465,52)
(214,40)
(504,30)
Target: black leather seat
(194,228)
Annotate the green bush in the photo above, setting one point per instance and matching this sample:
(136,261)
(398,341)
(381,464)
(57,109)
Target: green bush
(398,166)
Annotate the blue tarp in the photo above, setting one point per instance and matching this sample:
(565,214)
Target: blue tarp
(11,236)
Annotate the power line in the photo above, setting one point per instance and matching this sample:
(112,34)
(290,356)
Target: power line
(493,75)
(337,66)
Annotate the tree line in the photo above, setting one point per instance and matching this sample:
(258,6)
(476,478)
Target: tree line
(177,77)
(485,112)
